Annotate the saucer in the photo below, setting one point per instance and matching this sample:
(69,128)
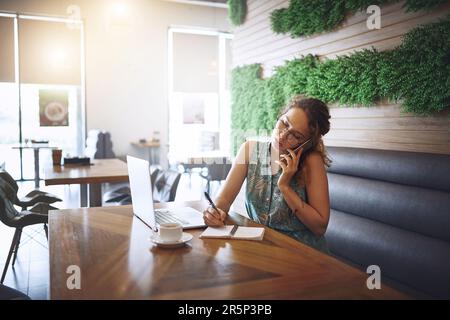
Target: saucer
(164,244)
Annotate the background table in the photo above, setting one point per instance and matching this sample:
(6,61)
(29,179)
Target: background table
(117,261)
(36,147)
(153,150)
(101,171)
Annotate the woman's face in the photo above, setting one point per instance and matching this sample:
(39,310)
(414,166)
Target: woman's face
(291,130)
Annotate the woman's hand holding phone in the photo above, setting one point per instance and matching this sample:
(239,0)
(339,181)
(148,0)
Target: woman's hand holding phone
(289,163)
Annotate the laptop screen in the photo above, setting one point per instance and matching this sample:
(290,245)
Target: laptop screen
(141,190)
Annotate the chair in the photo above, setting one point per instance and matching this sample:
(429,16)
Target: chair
(18,220)
(40,200)
(166,185)
(99,145)
(164,188)
(216,172)
(122,195)
(7,293)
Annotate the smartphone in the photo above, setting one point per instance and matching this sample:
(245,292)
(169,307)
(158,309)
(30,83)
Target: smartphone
(305,145)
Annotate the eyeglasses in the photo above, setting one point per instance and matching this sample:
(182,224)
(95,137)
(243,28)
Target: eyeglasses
(293,137)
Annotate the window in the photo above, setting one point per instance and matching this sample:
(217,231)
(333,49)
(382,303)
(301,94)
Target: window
(199,116)
(43,61)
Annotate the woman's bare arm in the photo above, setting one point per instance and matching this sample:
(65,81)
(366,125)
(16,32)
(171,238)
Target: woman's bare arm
(231,187)
(316,213)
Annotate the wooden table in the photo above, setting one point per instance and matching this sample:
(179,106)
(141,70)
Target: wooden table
(117,261)
(36,147)
(151,146)
(100,171)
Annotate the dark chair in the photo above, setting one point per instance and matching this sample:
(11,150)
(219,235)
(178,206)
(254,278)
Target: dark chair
(99,145)
(122,194)
(119,193)
(7,293)
(40,200)
(166,185)
(216,172)
(18,220)
(164,189)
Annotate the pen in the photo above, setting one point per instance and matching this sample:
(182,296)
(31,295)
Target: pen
(210,201)
(233,231)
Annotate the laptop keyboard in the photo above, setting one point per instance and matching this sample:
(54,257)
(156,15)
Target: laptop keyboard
(164,216)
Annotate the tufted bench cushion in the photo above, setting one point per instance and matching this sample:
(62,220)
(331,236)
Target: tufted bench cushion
(392,209)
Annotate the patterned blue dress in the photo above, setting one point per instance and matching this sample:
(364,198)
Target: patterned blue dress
(265,203)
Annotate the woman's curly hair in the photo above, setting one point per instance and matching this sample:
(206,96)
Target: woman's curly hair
(318,122)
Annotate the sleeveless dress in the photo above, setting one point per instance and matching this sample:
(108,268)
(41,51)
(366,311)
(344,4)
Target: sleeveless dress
(265,203)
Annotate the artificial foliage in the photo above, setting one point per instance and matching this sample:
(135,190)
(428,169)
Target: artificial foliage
(307,17)
(416,74)
(237,11)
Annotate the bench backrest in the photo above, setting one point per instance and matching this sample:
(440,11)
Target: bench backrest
(392,209)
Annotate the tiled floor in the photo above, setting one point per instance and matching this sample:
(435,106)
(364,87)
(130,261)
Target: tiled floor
(30,273)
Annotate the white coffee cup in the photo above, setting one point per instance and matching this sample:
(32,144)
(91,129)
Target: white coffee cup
(170,232)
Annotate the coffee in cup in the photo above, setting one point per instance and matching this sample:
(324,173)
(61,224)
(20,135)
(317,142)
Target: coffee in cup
(56,157)
(170,232)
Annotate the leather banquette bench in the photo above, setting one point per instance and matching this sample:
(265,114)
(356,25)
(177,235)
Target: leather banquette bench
(392,209)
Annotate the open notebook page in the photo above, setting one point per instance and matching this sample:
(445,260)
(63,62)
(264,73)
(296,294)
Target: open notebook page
(248,233)
(221,232)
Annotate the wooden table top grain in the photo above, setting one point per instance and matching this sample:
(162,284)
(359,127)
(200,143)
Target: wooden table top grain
(118,261)
(100,171)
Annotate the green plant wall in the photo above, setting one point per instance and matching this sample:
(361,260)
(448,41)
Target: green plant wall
(237,11)
(417,73)
(307,17)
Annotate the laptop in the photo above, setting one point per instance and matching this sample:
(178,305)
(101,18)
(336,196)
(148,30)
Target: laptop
(142,200)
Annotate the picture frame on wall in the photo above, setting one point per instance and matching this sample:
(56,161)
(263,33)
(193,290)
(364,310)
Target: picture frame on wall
(53,108)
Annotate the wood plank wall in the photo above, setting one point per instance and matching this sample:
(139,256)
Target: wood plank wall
(379,127)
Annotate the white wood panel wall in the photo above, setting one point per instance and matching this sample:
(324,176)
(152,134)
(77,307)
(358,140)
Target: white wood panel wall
(380,127)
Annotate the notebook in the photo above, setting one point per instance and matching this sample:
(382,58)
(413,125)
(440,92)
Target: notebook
(225,232)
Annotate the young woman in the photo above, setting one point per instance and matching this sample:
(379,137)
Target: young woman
(287,189)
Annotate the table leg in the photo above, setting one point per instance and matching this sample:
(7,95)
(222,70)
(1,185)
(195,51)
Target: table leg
(95,195)
(153,155)
(36,168)
(150,156)
(83,196)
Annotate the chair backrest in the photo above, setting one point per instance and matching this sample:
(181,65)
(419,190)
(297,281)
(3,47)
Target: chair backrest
(99,145)
(8,191)
(153,175)
(4,175)
(218,172)
(392,209)
(7,293)
(7,210)
(166,184)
